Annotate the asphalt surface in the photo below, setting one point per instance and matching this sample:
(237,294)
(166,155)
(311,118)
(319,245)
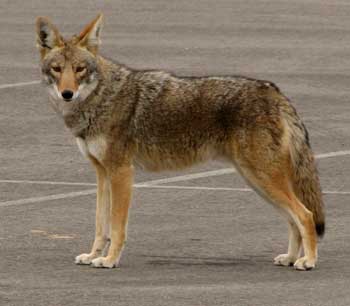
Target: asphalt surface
(186,246)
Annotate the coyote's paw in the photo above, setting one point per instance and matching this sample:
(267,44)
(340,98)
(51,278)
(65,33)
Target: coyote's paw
(84,259)
(284,260)
(304,263)
(103,262)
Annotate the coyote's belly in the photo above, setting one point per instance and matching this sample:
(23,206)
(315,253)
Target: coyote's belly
(158,157)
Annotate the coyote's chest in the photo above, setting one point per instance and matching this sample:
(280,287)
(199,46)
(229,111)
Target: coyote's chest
(93,147)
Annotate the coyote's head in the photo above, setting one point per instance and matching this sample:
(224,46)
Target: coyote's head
(69,66)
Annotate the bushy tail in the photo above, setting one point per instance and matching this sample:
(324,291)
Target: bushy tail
(306,182)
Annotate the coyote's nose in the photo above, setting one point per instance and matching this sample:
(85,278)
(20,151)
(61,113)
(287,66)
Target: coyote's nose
(67,94)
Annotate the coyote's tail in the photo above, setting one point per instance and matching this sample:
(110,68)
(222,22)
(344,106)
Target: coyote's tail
(306,183)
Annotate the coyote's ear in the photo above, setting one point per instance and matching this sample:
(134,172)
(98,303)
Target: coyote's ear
(48,36)
(90,36)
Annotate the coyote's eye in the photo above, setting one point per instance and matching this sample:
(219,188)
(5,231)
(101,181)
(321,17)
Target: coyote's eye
(56,68)
(80,69)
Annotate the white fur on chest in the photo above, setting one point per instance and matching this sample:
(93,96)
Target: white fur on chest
(95,147)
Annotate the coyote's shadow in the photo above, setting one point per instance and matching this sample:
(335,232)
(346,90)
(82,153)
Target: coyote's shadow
(205,261)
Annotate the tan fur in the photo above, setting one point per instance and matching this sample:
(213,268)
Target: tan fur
(67,80)
(155,119)
(84,38)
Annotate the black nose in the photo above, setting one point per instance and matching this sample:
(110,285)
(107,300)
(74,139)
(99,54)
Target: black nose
(67,94)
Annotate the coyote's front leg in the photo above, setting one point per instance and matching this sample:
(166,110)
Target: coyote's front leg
(120,188)
(102,217)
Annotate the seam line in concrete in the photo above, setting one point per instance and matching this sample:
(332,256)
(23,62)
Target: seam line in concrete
(20,84)
(173,179)
(93,191)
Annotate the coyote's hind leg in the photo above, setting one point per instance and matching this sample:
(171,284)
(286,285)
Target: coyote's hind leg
(275,186)
(294,247)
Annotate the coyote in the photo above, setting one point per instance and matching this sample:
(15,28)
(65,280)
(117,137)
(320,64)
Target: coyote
(122,116)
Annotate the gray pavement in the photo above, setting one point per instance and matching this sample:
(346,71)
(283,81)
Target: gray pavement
(186,246)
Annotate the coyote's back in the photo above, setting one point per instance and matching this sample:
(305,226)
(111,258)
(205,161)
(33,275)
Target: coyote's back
(180,121)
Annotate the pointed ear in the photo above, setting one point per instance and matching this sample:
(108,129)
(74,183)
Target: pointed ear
(90,36)
(48,36)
